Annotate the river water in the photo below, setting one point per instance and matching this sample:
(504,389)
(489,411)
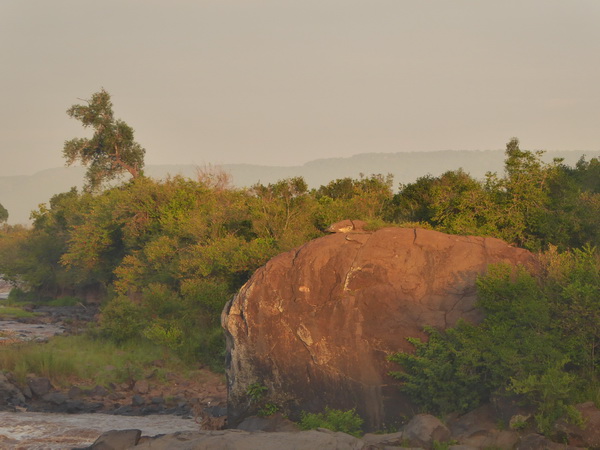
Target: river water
(37,431)
(53,431)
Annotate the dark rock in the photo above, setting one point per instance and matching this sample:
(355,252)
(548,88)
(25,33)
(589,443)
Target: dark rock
(586,435)
(315,325)
(56,398)
(125,410)
(115,396)
(385,440)
(478,428)
(117,440)
(27,392)
(98,391)
(75,392)
(238,439)
(535,441)
(151,409)
(275,422)
(39,386)
(157,400)
(424,429)
(216,410)
(141,387)
(10,394)
(75,406)
(138,400)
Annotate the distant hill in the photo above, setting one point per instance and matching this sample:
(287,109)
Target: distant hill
(22,194)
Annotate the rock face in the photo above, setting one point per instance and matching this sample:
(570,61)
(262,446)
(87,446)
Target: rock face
(315,325)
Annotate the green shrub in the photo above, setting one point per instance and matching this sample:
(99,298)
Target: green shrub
(268,410)
(66,301)
(539,340)
(122,319)
(256,392)
(333,419)
(445,374)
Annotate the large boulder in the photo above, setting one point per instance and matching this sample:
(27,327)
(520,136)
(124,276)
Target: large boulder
(314,325)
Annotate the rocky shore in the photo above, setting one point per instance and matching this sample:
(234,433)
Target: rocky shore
(177,396)
(475,430)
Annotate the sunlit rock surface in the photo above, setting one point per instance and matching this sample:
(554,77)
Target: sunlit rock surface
(315,325)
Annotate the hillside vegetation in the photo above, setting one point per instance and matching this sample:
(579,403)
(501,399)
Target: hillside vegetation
(165,256)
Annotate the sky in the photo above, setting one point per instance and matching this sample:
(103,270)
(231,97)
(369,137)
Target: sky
(284,82)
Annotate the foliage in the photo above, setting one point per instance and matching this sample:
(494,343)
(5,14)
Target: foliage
(13,312)
(66,301)
(539,340)
(65,359)
(111,151)
(256,391)
(533,205)
(444,374)
(165,256)
(367,198)
(333,419)
(3,214)
(268,410)
(122,320)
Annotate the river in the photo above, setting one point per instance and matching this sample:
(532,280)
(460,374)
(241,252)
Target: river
(52,431)
(36,431)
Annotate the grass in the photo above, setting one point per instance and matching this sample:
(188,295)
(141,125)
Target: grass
(65,301)
(14,312)
(67,360)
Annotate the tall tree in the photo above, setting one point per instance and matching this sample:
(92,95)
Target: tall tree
(111,151)
(3,214)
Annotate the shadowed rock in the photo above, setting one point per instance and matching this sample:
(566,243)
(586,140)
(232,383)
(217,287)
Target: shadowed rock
(315,325)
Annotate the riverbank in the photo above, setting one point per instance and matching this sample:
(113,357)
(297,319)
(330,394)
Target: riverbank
(109,387)
(50,431)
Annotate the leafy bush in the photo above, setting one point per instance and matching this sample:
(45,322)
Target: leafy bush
(445,374)
(539,339)
(122,319)
(335,420)
(256,391)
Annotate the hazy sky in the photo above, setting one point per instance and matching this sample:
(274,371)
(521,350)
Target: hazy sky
(282,82)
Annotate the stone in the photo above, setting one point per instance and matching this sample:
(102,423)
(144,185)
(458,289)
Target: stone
(117,440)
(141,387)
(478,428)
(424,429)
(56,398)
(315,325)
(382,440)
(39,386)
(243,440)
(587,435)
(138,400)
(534,441)
(276,422)
(75,392)
(347,226)
(491,438)
(98,391)
(10,394)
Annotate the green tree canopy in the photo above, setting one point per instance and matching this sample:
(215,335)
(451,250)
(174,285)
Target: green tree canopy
(3,214)
(111,151)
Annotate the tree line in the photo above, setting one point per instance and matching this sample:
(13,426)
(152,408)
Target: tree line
(165,255)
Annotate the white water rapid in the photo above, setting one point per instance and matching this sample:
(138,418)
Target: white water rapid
(49,431)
